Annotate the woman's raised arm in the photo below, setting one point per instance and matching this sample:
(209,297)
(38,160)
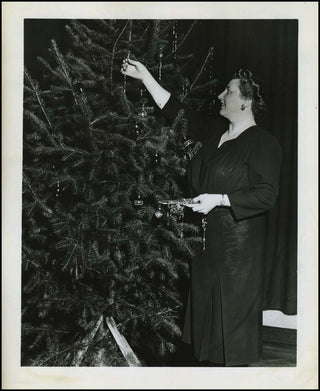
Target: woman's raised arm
(138,71)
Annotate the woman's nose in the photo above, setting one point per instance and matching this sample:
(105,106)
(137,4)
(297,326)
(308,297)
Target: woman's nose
(221,95)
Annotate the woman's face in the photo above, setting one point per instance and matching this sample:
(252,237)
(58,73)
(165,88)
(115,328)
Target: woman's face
(231,100)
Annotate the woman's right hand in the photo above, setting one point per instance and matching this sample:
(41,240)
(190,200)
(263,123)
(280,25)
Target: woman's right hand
(138,71)
(134,69)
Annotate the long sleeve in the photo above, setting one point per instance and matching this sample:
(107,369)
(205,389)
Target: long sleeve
(200,126)
(263,171)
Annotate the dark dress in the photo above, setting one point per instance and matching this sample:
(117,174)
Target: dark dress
(224,314)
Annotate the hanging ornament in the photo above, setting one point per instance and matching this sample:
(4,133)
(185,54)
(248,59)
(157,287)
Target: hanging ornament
(184,89)
(58,194)
(211,102)
(58,190)
(160,63)
(174,39)
(204,227)
(156,159)
(143,113)
(159,213)
(124,88)
(187,143)
(137,131)
(138,201)
(175,211)
(190,149)
(186,151)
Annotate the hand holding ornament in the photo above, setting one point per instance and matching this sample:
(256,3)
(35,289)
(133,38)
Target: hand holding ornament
(134,69)
(204,203)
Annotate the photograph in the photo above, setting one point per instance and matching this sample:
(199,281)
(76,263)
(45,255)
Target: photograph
(106,142)
(160,187)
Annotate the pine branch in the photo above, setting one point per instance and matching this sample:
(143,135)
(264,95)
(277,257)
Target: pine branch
(36,198)
(86,342)
(46,64)
(61,62)
(64,67)
(200,72)
(34,87)
(187,34)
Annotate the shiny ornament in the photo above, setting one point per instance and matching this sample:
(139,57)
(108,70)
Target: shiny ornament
(143,113)
(160,64)
(137,131)
(159,212)
(138,202)
(174,39)
(156,159)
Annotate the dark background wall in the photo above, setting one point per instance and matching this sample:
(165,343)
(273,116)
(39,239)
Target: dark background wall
(269,48)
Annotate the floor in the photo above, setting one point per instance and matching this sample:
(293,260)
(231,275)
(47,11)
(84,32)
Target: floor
(279,350)
(277,355)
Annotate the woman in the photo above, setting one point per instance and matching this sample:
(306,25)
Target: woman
(235,176)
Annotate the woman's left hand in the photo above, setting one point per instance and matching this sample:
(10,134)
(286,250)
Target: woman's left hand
(205,203)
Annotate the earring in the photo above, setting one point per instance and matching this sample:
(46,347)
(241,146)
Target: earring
(242,107)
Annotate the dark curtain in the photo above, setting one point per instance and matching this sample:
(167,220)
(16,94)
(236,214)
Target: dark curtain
(269,48)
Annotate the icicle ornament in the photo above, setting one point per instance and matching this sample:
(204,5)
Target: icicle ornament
(58,184)
(160,63)
(58,189)
(211,103)
(204,228)
(174,39)
(127,58)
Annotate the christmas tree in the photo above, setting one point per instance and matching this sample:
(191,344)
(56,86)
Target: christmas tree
(98,158)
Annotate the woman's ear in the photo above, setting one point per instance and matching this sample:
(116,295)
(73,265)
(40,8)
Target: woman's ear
(246,103)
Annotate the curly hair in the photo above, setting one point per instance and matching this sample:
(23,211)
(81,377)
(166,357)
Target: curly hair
(250,89)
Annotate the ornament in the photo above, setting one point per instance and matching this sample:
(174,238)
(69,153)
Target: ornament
(174,39)
(187,143)
(184,89)
(125,61)
(157,159)
(211,102)
(58,194)
(124,88)
(191,149)
(175,211)
(58,189)
(204,227)
(159,212)
(143,112)
(137,131)
(138,202)
(160,63)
